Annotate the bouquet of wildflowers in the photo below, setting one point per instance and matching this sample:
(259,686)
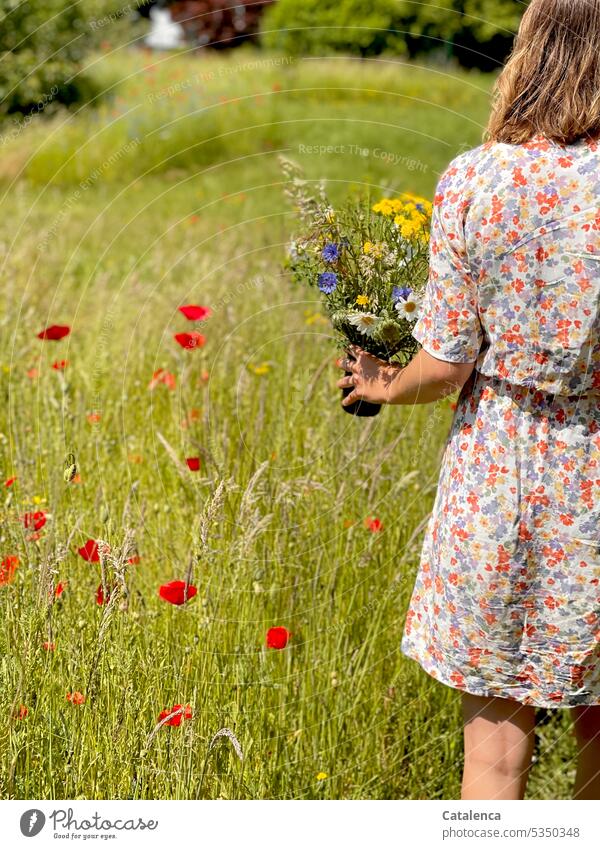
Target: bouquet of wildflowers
(369,261)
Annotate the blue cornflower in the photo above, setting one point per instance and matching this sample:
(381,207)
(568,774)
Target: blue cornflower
(327,282)
(331,252)
(401,293)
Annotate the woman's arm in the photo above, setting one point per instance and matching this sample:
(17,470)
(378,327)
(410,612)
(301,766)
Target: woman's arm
(423,380)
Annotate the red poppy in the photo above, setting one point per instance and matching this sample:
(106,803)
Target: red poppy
(162,376)
(134,560)
(190,340)
(55,332)
(60,365)
(176,714)
(49,646)
(177,592)
(193,416)
(32,373)
(374,525)
(22,712)
(8,567)
(93,418)
(100,597)
(76,698)
(193,463)
(277,638)
(193,312)
(59,589)
(35,520)
(9,481)
(90,552)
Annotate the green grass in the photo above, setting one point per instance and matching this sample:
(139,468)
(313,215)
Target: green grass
(111,218)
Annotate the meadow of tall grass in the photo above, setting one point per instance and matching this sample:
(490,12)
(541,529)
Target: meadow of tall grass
(167,192)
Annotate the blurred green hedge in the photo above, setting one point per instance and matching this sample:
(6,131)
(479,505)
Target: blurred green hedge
(42,47)
(319,27)
(478,33)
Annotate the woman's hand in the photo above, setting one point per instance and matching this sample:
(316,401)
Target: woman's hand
(371,377)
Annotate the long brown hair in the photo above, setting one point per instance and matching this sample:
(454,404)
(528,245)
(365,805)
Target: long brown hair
(551,82)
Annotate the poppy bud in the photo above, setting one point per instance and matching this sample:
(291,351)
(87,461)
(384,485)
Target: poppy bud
(104,514)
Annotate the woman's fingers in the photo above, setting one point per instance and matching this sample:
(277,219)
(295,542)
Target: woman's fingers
(350,398)
(346,381)
(346,363)
(355,350)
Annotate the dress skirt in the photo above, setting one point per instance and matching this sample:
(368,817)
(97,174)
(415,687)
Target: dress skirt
(506,600)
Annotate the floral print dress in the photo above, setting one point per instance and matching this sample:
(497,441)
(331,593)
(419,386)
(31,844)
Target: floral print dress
(507,597)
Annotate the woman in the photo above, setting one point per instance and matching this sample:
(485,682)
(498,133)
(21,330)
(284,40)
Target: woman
(506,604)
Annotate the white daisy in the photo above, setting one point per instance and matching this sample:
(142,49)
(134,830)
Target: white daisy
(365,322)
(408,307)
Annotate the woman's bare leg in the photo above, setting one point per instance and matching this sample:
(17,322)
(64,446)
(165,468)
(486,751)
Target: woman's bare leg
(586,724)
(499,736)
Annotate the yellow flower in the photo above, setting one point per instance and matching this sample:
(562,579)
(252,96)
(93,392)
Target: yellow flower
(387,206)
(408,229)
(407,205)
(263,368)
(373,248)
(314,318)
(362,300)
(321,776)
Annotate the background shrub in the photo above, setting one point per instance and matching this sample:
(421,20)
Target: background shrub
(319,27)
(218,23)
(477,33)
(42,45)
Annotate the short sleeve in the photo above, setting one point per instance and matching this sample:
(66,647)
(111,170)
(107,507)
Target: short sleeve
(448,327)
